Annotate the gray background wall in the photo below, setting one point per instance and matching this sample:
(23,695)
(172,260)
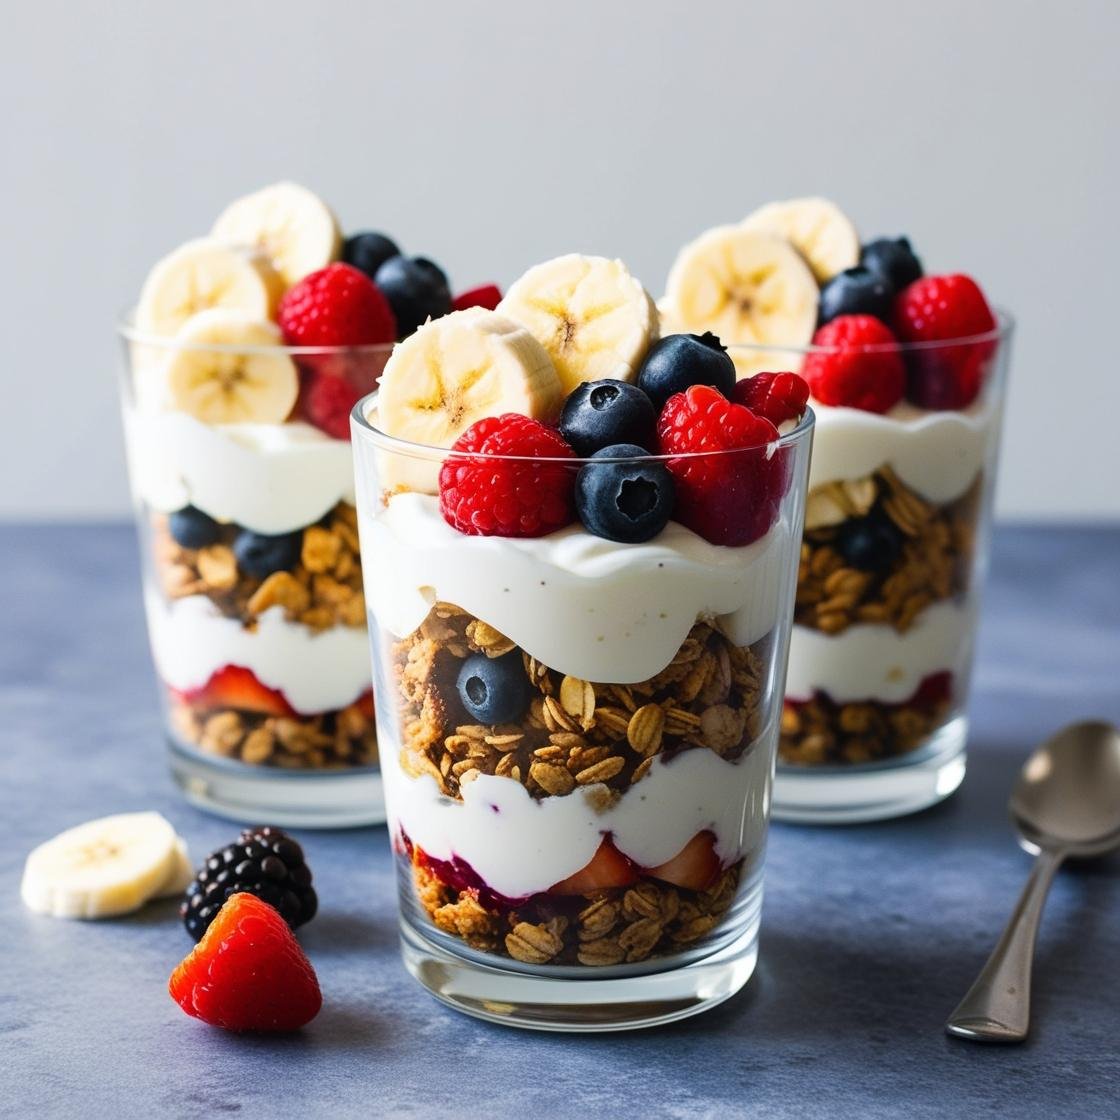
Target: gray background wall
(492,135)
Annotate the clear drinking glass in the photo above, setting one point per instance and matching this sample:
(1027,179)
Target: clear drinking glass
(893,560)
(264,674)
(594,861)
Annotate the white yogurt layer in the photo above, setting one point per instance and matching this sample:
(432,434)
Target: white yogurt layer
(875,662)
(270,478)
(584,606)
(520,846)
(938,454)
(191,640)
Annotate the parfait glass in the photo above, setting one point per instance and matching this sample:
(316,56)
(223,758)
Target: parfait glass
(592,860)
(893,559)
(252,588)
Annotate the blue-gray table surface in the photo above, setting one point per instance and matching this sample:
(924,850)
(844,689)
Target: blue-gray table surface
(870,933)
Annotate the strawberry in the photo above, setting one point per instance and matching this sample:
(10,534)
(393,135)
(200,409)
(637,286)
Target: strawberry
(695,866)
(486,295)
(248,973)
(608,868)
(235,687)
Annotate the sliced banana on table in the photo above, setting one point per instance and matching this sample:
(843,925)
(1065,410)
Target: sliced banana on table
(180,875)
(594,318)
(294,228)
(207,273)
(453,371)
(103,868)
(745,286)
(227,368)
(819,230)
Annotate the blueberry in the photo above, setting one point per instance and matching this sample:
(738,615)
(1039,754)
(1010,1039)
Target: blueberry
(494,689)
(681,360)
(871,544)
(192,528)
(416,290)
(599,413)
(624,501)
(261,554)
(856,291)
(893,259)
(369,251)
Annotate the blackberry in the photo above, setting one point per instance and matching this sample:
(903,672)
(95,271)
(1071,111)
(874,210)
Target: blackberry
(265,862)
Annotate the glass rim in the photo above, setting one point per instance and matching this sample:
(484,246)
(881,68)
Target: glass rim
(1005,326)
(385,442)
(126,329)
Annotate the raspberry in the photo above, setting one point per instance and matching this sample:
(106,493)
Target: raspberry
(503,497)
(776,397)
(326,402)
(248,973)
(939,309)
(486,295)
(336,306)
(859,365)
(727,499)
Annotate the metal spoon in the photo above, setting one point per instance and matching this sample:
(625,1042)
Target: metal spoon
(1066,803)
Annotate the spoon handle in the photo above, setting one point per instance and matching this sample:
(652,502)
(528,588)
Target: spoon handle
(997,1007)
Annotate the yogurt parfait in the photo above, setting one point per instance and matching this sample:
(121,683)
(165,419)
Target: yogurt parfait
(580,539)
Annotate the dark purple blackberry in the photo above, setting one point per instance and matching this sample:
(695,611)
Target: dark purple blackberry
(264,861)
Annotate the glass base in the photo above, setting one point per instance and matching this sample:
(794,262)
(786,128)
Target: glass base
(534,1002)
(288,798)
(879,791)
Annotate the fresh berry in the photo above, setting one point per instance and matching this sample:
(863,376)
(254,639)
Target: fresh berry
(935,689)
(778,397)
(326,401)
(680,360)
(858,365)
(607,870)
(248,973)
(600,413)
(261,554)
(940,309)
(369,251)
(893,259)
(337,306)
(629,501)
(856,291)
(236,687)
(484,494)
(192,528)
(694,867)
(417,290)
(494,689)
(729,499)
(871,544)
(486,295)
(265,862)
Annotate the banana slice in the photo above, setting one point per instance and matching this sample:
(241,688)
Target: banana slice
(594,319)
(101,868)
(207,273)
(225,369)
(293,227)
(746,287)
(180,875)
(453,371)
(820,231)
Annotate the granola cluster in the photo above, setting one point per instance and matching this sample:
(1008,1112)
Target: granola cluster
(575,732)
(331,740)
(609,927)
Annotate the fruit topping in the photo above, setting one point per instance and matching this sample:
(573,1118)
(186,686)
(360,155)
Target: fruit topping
(327,401)
(248,973)
(600,413)
(483,494)
(681,360)
(369,251)
(494,689)
(630,500)
(856,291)
(486,295)
(694,867)
(731,498)
(337,306)
(607,869)
(858,365)
(417,290)
(871,544)
(191,528)
(261,554)
(817,228)
(238,688)
(939,309)
(893,259)
(778,397)
(263,861)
